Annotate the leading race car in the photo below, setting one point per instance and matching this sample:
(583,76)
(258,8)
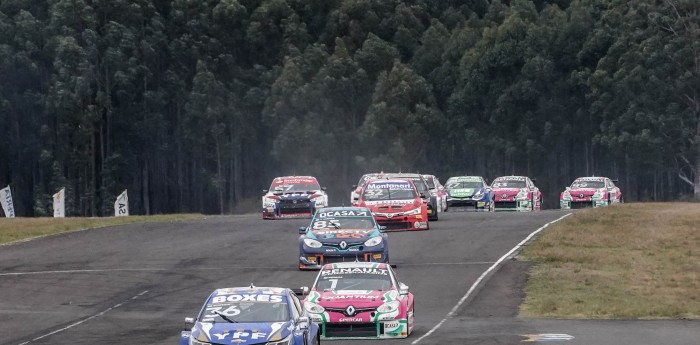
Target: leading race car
(395,204)
(251,315)
(293,197)
(516,193)
(469,191)
(360,300)
(338,234)
(591,191)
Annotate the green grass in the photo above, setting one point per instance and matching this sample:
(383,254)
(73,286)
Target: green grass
(15,229)
(626,261)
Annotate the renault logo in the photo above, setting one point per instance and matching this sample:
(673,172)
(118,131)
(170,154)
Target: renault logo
(343,244)
(580,195)
(504,196)
(350,311)
(294,202)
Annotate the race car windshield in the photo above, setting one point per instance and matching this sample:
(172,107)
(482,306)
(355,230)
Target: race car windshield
(374,194)
(343,223)
(354,281)
(588,184)
(245,312)
(463,184)
(509,184)
(295,188)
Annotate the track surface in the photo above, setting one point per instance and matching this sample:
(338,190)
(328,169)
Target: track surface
(135,284)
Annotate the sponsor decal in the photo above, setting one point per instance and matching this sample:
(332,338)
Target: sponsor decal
(390,202)
(389,185)
(343,233)
(251,335)
(391,324)
(355,270)
(350,319)
(350,297)
(293,180)
(345,213)
(247,298)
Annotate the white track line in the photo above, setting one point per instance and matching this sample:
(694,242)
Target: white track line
(483,275)
(84,320)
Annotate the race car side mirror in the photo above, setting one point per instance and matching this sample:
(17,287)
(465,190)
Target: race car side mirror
(265,191)
(567,188)
(189,322)
(302,229)
(323,188)
(303,322)
(422,195)
(302,291)
(354,186)
(403,289)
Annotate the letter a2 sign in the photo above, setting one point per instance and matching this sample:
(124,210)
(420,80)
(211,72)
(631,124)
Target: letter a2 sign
(121,205)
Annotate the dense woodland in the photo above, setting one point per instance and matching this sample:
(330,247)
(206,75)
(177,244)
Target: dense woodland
(195,105)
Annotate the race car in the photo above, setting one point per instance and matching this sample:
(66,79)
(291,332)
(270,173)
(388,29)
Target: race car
(590,192)
(360,300)
(356,189)
(469,191)
(423,189)
(438,191)
(251,315)
(395,204)
(516,193)
(338,234)
(293,197)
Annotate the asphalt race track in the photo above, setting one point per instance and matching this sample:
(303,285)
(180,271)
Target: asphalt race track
(135,284)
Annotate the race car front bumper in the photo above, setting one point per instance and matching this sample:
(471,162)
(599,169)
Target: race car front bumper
(402,223)
(389,329)
(577,204)
(290,209)
(512,205)
(467,202)
(316,261)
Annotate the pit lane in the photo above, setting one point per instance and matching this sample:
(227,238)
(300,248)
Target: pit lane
(136,283)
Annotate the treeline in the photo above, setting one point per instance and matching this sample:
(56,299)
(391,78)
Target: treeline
(195,105)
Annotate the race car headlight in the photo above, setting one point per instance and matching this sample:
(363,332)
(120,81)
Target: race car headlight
(412,212)
(598,194)
(388,307)
(478,195)
(374,241)
(314,308)
(312,243)
(195,342)
(271,201)
(566,196)
(285,341)
(522,195)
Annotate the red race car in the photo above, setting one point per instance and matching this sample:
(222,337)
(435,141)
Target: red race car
(590,192)
(395,204)
(516,193)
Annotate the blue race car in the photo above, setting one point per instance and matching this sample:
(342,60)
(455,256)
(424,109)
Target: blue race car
(470,192)
(342,234)
(250,316)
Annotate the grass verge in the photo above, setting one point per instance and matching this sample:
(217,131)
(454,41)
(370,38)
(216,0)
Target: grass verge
(626,261)
(16,229)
